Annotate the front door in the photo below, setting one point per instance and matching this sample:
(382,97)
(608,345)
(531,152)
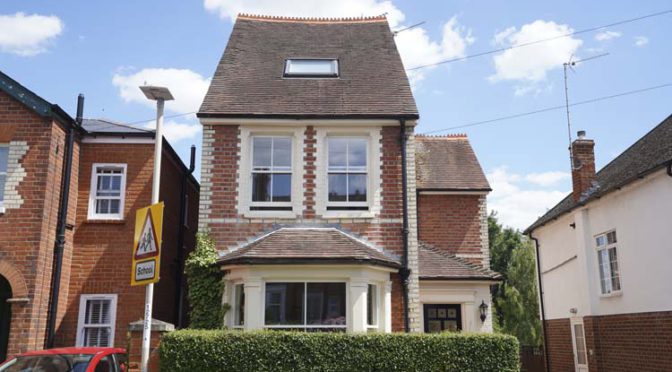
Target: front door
(579,345)
(5,316)
(439,318)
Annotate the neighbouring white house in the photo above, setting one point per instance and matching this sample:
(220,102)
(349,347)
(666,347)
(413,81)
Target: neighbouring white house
(328,212)
(604,254)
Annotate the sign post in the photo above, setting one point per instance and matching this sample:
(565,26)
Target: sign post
(160,95)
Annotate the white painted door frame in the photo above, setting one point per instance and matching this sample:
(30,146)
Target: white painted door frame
(577,328)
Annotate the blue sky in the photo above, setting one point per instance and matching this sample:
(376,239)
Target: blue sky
(104,49)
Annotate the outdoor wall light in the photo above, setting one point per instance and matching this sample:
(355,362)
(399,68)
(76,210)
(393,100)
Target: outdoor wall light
(483,307)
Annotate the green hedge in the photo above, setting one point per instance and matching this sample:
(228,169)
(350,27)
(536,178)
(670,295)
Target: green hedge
(201,350)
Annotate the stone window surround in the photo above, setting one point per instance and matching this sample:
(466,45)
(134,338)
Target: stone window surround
(82,313)
(92,215)
(356,277)
(244,193)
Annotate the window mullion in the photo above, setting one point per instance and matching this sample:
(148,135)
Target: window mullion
(305,304)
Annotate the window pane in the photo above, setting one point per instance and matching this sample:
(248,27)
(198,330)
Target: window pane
(605,274)
(371,305)
(103,206)
(357,154)
(261,187)
(357,187)
(97,312)
(2,186)
(311,67)
(282,153)
(613,266)
(337,153)
(282,187)
(239,314)
(4,158)
(600,240)
(326,303)
(99,337)
(114,206)
(284,303)
(611,237)
(337,187)
(261,152)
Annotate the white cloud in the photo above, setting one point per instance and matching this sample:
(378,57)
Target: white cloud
(640,41)
(520,199)
(229,9)
(530,64)
(547,178)
(417,48)
(28,35)
(176,132)
(188,87)
(607,35)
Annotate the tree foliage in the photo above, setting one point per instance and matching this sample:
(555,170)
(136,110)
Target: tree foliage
(515,298)
(206,287)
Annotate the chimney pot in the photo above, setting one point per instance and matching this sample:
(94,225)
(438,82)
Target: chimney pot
(581,134)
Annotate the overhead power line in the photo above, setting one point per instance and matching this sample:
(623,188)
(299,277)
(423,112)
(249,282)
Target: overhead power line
(592,29)
(552,108)
(165,117)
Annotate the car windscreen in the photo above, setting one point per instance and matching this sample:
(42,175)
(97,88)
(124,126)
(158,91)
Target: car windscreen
(48,363)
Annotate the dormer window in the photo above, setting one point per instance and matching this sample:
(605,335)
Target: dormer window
(311,67)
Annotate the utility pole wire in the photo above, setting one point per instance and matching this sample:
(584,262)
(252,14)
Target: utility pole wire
(552,108)
(541,40)
(408,28)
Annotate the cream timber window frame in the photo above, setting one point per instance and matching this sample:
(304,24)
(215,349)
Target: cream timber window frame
(4,165)
(347,172)
(246,206)
(274,169)
(103,324)
(372,206)
(607,262)
(109,171)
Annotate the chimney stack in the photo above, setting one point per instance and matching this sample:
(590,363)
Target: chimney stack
(583,165)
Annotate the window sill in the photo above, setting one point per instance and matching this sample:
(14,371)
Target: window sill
(347,214)
(270,214)
(612,294)
(105,221)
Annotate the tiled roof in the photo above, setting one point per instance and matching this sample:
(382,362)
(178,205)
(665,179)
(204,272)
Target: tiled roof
(648,154)
(111,127)
(249,82)
(308,245)
(437,265)
(447,163)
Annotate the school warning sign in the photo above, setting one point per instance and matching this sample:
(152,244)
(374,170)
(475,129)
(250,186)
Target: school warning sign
(147,244)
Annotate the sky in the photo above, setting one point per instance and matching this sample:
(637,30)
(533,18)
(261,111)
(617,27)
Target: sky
(106,49)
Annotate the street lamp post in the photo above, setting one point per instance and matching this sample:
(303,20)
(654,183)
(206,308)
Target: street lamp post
(160,95)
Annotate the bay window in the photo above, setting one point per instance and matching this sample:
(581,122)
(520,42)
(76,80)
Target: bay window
(610,279)
(347,173)
(372,307)
(308,306)
(271,173)
(239,305)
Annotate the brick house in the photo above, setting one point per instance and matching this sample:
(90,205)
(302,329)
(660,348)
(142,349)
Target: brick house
(328,211)
(111,176)
(603,254)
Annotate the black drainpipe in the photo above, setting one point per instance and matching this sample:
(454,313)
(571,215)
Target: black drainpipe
(179,292)
(541,303)
(669,168)
(405,272)
(59,245)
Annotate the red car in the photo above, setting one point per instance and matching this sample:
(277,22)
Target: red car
(69,359)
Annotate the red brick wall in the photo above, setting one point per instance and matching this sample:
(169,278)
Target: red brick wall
(451,223)
(27,234)
(630,342)
(559,353)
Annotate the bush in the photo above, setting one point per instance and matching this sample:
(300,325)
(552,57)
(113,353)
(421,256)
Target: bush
(201,350)
(204,281)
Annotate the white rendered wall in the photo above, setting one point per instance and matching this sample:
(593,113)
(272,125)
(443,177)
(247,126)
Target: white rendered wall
(641,214)
(467,294)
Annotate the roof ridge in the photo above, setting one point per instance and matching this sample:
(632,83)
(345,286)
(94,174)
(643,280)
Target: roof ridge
(277,18)
(443,136)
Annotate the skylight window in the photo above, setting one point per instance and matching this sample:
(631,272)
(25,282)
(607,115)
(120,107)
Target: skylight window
(311,68)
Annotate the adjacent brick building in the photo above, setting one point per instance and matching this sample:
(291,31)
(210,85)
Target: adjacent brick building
(604,254)
(96,269)
(328,211)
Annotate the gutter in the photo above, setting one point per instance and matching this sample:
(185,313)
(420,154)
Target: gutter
(299,116)
(405,272)
(541,303)
(179,290)
(59,244)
